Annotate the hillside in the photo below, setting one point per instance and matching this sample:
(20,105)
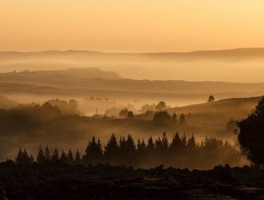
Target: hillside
(154,66)
(241,53)
(60,76)
(217,113)
(95,82)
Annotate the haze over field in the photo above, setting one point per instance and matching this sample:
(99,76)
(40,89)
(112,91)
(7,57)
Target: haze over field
(237,65)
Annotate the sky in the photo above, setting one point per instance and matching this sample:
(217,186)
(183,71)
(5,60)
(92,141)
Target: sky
(130,25)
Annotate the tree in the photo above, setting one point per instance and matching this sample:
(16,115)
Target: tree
(77,159)
(174,118)
(55,156)
(70,159)
(251,134)
(161,106)
(123,113)
(127,150)
(19,156)
(40,156)
(63,157)
(162,118)
(23,158)
(191,143)
(165,143)
(182,120)
(112,150)
(130,115)
(93,154)
(211,99)
(47,154)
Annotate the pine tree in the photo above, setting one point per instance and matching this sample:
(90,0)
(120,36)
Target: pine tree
(174,118)
(19,156)
(77,159)
(40,156)
(165,143)
(23,158)
(127,150)
(112,151)
(191,143)
(70,159)
(63,157)
(55,156)
(182,120)
(93,153)
(150,146)
(47,154)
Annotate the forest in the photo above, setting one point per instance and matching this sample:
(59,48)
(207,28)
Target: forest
(180,152)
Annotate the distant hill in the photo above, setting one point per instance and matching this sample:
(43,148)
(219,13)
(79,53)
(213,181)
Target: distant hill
(241,64)
(58,77)
(219,112)
(240,53)
(94,82)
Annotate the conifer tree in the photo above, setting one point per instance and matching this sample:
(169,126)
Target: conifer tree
(63,157)
(55,156)
(40,156)
(47,154)
(77,159)
(70,159)
(112,151)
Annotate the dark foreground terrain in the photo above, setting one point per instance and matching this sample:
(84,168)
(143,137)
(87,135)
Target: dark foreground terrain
(59,181)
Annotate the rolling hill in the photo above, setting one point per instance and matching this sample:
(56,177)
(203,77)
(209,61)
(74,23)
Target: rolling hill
(94,82)
(220,65)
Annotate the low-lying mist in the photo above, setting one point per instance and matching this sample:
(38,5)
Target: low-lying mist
(72,123)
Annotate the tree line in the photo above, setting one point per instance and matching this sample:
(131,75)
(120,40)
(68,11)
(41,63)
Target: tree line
(179,152)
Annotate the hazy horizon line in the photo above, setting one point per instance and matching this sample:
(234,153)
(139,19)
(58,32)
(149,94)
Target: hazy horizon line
(139,52)
(126,78)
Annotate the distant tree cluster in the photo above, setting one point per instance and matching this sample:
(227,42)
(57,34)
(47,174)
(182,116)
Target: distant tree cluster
(163,118)
(180,152)
(66,107)
(125,113)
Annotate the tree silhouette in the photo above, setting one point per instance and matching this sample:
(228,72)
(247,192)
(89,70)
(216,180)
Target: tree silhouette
(55,156)
(77,159)
(41,155)
(161,106)
(112,150)
(130,115)
(180,152)
(47,153)
(93,154)
(162,118)
(191,143)
(250,135)
(211,99)
(177,145)
(127,150)
(182,121)
(19,156)
(70,158)
(124,113)
(23,158)
(63,157)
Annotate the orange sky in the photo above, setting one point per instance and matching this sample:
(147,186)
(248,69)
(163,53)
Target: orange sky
(130,25)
